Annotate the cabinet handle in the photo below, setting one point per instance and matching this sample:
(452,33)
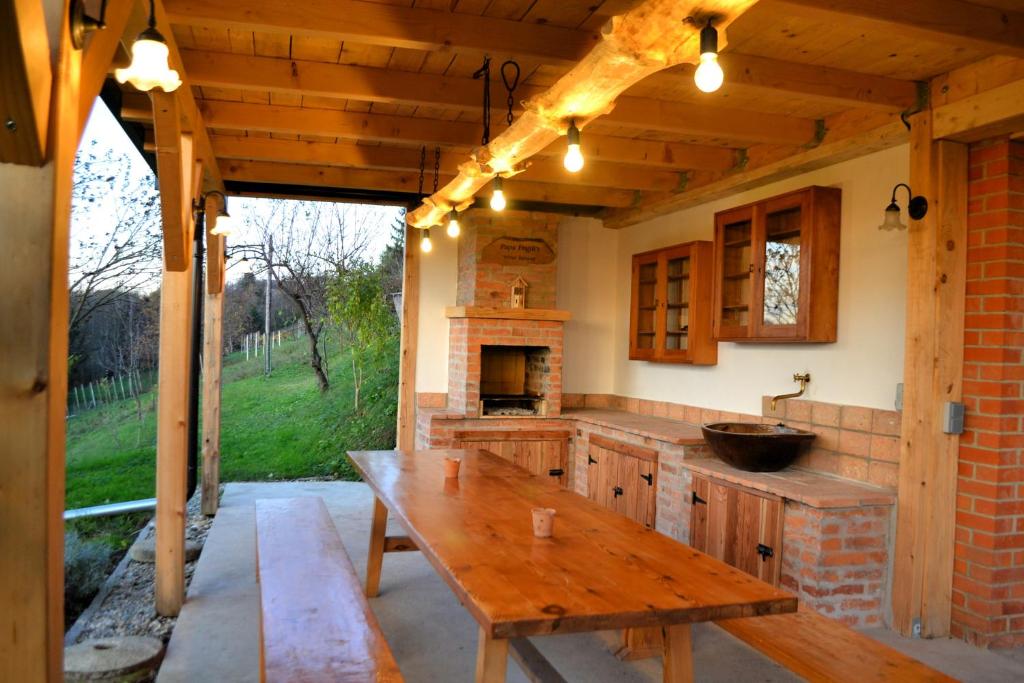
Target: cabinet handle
(751,268)
(697,499)
(556,472)
(590,460)
(649,478)
(765,551)
(617,491)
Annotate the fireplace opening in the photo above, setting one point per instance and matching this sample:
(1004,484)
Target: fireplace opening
(513,380)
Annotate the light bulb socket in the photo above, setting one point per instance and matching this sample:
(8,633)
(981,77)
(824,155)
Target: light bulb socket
(708,39)
(498,183)
(152,34)
(573,134)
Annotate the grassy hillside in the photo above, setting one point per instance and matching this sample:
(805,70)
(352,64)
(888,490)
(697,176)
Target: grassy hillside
(273,428)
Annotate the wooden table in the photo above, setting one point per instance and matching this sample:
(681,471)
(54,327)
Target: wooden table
(600,571)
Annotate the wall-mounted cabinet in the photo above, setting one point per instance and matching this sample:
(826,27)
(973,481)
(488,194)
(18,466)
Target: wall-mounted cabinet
(741,527)
(623,477)
(777,268)
(671,305)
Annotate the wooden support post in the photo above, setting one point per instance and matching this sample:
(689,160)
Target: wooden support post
(933,373)
(491,659)
(213,351)
(678,656)
(35,207)
(375,558)
(407,354)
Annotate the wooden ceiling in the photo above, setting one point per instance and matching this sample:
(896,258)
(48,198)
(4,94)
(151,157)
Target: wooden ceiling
(344,93)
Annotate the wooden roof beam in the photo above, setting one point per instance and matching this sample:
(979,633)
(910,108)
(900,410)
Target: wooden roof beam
(378,157)
(408,181)
(454,134)
(989,113)
(988,29)
(390,25)
(25,82)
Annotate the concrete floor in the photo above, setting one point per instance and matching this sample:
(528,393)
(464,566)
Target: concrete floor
(432,636)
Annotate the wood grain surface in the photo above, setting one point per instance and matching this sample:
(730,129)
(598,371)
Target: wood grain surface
(599,571)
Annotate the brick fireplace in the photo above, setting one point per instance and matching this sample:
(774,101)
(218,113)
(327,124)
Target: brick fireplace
(505,361)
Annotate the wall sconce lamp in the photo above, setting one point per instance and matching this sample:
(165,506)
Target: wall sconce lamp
(225,224)
(82,24)
(917,207)
(149,68)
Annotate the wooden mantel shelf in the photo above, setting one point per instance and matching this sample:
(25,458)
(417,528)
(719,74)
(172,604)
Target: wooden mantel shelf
(507,313)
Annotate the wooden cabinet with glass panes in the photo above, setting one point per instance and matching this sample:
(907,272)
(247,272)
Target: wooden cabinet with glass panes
(670,312)
(777,268)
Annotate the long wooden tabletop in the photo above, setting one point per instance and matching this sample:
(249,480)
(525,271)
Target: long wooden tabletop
(599,571)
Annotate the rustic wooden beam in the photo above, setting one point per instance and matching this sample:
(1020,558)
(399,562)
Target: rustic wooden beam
(990,113)
(215,245)
(650,37)
(408,181)
(25,82)
(770,165)
(546,169)
(409,346)
(932,375)
(213,351)
(373,23)
(35,212)
(174,190)
(988,29)
(101,49)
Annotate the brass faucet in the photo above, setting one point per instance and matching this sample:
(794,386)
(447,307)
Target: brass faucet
(803,378)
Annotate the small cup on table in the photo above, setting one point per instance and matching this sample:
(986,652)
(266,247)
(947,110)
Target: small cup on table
(543,522)
(451,468)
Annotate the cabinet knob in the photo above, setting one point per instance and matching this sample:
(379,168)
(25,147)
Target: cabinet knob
(649,478)
(617,491)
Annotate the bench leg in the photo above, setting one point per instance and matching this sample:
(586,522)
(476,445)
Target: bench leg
(375,559)
(678,654)
(491,659)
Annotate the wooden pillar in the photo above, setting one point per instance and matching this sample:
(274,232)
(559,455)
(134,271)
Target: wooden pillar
(932,375)
(35,210)
(213,326)
(176,167)
(407,353)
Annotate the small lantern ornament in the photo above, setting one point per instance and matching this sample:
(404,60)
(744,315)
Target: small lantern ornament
(519,293)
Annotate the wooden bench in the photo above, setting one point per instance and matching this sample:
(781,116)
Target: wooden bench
(315,624)
(821,649)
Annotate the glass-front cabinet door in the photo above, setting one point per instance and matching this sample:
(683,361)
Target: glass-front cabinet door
(781,292)
(643,328)
(676,310)
(734,232)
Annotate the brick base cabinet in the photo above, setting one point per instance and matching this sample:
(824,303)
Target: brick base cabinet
(988,581)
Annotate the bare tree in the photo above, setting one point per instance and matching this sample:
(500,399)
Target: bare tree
(312,243)
(123,255)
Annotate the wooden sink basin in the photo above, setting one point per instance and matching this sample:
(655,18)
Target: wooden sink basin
(756,447)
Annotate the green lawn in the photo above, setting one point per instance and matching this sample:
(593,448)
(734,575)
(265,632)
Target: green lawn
(273,428)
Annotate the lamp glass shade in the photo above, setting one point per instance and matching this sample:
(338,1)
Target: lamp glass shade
(225,224)
(149,68)
(892,219)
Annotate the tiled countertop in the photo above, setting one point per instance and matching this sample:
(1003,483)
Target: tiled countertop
(809,488)
(659,428)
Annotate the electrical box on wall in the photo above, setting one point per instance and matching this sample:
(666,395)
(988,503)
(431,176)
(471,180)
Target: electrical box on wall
(899,397)
(953,417)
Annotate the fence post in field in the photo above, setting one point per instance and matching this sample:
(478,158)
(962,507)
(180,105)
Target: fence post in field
(93,393)
(120,380)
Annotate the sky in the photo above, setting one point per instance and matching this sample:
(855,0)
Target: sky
(102,126)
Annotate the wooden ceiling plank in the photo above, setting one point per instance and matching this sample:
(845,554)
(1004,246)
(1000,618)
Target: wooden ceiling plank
(381,157)
(989,29)
(394,26)
(408,181)
(457,134)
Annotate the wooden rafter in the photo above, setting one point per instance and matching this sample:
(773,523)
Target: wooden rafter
(988,29)
(987,114)
(390,25)
(379,157)
(370,84)
(25,82)
(408,181)
(650,37)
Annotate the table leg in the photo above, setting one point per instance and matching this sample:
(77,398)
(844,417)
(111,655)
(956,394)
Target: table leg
(376,555)
(678,654)
(491,659)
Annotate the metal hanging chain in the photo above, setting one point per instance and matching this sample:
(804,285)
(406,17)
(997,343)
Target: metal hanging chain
(437,166)
(484,72)
(423,165)
(511,87)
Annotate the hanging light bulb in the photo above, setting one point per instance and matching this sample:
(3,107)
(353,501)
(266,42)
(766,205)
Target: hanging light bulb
(425,244)
(149,67)
(709,76)
(498,198)
(453,224)
(573,160)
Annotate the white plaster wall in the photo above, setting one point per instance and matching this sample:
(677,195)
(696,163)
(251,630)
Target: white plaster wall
(439,272)
(861,368)
(587,254)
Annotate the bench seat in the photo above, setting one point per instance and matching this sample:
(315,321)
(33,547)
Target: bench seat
(822,649)
(315,624)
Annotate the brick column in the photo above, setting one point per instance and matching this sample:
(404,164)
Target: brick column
(988,581)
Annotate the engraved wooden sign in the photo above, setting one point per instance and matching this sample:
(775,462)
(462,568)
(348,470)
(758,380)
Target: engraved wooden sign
(510,251)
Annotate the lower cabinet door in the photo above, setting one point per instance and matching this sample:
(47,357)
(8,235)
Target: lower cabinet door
(544,453)
(739,526)
(622,477)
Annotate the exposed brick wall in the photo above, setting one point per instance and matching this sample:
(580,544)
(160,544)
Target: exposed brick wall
(988,581)
(483,283)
